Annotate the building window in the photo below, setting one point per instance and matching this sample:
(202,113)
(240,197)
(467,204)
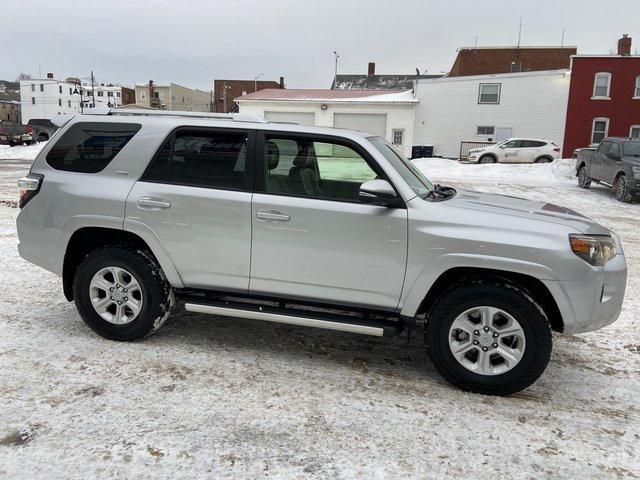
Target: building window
(635,131)
(489,93)
(33,87)
(397,137)
(160,95)
(69,102)
(118,94)
(637,91)
(602,85)
(59,102)
(59,88)
(109,94)
(100,93)
(33,100)
(42,87)
(600,129)
(484,130)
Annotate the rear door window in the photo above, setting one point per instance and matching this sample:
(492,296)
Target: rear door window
(88,147)
(202,158)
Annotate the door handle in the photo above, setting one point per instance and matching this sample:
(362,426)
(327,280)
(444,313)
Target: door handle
(149,203)
(273,215)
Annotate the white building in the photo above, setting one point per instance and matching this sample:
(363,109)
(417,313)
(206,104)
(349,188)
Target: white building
(387,114)
(101,95)
(48,97)
(480,108)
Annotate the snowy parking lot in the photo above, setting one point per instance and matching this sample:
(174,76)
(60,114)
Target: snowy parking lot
(213,397)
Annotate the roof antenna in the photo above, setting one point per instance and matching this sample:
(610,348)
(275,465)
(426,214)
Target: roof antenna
(562,41)
(475,45)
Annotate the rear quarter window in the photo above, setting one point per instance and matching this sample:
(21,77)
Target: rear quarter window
(88,147)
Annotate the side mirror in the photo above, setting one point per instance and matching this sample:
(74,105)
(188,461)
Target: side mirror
(378,192)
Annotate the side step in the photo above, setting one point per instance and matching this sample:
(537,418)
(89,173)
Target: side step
(305,318)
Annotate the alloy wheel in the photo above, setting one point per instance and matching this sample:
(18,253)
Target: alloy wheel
(116,295)
(487,340)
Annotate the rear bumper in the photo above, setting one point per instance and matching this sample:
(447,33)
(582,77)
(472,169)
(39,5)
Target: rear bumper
(594,302)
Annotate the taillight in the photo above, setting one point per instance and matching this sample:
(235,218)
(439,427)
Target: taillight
(29,130)
(29,187)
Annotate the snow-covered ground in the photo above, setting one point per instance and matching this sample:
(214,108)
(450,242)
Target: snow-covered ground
(208,397)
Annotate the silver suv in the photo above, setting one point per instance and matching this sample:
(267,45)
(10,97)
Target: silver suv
(142,211)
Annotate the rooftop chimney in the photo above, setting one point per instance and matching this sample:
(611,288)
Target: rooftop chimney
(624,45)
(372,69)
(49,75)
(281,82)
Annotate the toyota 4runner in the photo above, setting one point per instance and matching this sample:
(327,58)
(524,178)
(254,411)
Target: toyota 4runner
(140,212)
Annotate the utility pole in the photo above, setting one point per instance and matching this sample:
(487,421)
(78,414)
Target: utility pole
(225,87)
(255,82)
(93,92)
(335,75)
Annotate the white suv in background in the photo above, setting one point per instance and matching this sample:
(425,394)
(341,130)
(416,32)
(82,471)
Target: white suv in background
(516,150)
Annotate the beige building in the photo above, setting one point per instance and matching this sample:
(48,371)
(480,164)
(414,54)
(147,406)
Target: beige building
(172,97)
(9,111)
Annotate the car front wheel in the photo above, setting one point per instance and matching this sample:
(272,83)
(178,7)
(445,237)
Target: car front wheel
(487,159)
(121,293)
(489,337)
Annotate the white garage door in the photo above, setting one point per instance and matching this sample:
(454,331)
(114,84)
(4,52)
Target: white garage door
(374,123)
(304,118)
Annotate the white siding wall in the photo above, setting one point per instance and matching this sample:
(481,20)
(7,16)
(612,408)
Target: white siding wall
(533,104)
(399,116)
(47,105)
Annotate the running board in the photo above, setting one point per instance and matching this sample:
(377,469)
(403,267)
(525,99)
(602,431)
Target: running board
(366,327)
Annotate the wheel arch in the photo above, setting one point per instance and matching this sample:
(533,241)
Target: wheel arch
(489,154)
(548,157)
(87,239)
(462,275)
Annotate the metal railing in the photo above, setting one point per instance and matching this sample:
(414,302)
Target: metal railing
(466,146)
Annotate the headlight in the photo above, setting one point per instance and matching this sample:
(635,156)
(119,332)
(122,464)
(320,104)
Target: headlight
(636,172)
(594,249)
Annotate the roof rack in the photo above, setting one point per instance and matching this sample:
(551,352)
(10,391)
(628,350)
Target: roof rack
(234,117)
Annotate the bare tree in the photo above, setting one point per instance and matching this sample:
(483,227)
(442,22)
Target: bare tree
(23,76)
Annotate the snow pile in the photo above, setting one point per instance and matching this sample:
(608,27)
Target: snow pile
(439,169)
(21,152)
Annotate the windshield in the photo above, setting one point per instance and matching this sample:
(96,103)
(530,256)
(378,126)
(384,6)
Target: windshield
(631,149)
(410,174)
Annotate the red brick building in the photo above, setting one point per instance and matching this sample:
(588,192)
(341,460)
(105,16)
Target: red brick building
(490,60)
(224,91)
(604,97)
(128,96)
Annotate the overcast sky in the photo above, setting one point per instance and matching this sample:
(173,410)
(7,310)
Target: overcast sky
(192,42)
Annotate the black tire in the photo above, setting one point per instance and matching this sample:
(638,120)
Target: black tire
(509,298)
(584,181)
(621,189)
(156,292)
(544,160)
(43,137)
(487,159)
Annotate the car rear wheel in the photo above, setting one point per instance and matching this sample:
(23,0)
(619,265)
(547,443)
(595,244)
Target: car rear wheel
(121,294)
(621,189)
(583,179)
(43,137)
(487,159)
(543,160)
(488,337)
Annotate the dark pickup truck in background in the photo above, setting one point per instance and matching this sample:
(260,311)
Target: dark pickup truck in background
(616,162)
(43,129)
(13,134)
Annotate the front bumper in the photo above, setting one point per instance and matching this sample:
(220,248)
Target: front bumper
(594,302)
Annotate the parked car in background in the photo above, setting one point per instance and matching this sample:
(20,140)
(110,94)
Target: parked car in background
(616,163)
(232,215)
(517,150)
(13,134)
(43,128)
